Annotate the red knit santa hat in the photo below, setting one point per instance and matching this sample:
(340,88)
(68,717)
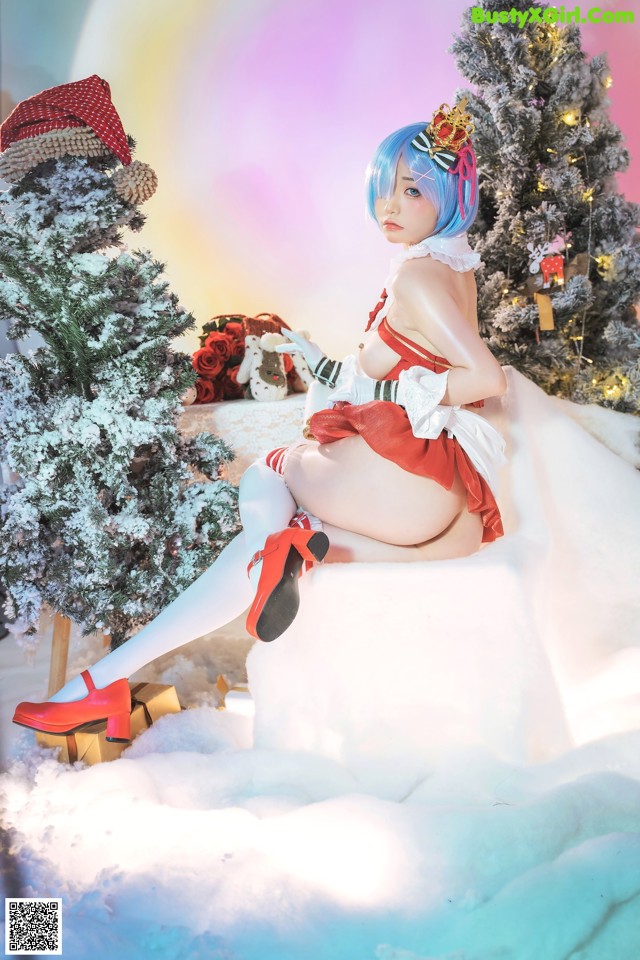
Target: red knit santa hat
(73,120)
(84,103)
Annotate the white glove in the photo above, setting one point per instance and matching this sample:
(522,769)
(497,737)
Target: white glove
(418,390)
(323,369)
(360,389)
(301,344)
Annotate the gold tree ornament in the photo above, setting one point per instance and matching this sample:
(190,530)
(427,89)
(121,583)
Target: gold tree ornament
(545,311)
(136,182)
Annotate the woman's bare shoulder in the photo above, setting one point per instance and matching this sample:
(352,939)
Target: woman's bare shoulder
(420,272)
(424,287)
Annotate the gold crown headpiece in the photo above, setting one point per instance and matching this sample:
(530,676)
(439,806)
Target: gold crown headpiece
(452,128)
(449,130)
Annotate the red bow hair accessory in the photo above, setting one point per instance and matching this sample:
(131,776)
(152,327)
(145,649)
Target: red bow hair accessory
(84,103)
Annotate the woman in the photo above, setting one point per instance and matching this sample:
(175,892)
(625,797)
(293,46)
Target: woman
(399,468)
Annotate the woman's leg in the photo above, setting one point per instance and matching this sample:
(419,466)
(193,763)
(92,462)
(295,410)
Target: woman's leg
(266,506)
(218,596)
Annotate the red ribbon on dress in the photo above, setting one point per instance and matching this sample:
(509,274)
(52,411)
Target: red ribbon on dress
(376,310)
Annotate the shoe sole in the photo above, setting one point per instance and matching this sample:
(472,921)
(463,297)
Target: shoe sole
(281,608)
(67,733)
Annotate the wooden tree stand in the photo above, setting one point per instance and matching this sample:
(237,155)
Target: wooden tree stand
(60,653)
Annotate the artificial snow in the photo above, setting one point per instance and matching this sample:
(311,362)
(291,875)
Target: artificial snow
(444,762)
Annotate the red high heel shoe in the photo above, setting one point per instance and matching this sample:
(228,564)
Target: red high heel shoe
(112,703)
(277,599)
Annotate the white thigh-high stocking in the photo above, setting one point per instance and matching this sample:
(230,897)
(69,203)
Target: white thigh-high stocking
(266,506)
(218,596)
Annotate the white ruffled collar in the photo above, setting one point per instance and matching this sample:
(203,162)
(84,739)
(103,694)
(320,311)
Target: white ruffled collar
(456,252)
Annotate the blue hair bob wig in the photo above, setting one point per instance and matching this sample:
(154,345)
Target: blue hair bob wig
(438,186)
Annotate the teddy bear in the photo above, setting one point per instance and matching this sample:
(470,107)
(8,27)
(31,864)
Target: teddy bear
(262,369)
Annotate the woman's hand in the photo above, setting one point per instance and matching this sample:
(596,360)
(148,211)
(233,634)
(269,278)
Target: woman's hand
(357,390)
(418,390)
(325,370)
(302,345)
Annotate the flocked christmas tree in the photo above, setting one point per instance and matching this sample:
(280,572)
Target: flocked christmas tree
(108,522)
(561,255)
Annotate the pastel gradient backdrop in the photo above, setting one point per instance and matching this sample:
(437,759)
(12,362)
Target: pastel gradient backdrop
(259,117)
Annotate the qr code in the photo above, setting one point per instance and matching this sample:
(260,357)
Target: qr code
(33,925)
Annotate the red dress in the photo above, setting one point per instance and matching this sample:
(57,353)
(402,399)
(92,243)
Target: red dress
(386,428)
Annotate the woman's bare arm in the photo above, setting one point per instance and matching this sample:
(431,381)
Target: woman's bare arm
(427,306)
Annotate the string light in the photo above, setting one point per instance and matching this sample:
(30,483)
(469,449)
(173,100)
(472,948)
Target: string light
(541,186)
(572,118)
(608,81)
(605,265)
(581,356)
(588,195)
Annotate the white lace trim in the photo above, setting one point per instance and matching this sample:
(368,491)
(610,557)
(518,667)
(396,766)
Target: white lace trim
(456,252)
(420,391)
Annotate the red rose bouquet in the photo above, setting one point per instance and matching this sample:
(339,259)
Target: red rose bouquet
(217,361)
(221,352)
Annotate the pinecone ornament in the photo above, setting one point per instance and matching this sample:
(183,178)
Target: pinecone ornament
(173,544)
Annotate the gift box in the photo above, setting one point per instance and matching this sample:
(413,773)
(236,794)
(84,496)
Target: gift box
(236,698)
(149,702)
